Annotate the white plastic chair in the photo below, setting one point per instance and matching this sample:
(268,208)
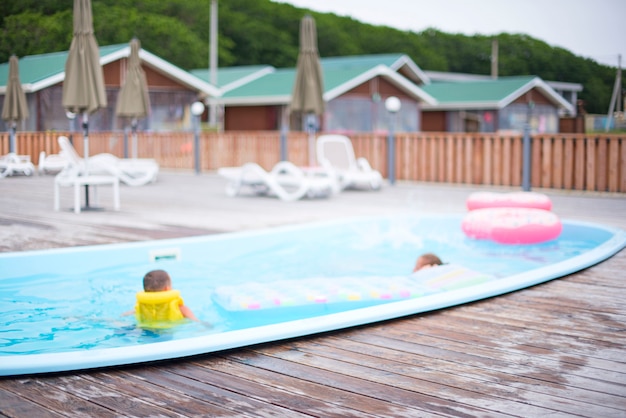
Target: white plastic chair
(335,153)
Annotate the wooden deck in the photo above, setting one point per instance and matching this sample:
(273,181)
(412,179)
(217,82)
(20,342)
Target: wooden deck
(556,349)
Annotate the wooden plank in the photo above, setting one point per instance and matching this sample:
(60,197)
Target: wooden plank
(448,160)
(413,147)
(370,382)
(507,161)
(166,396)
(580,180)
(291,393)
(433,161)
(622,166)
(497,161)
(557,163)
(537,160)
(466,360)
(600,165)
(580,347)
(467,160)
(547,353)
(454,153)
(546,162)
(488,160)
(402,163)
(568,164)
(517,157)
(577,329)
(54,397)
(111,398)
(419,156)
(403,373)
(12,405)
(207,387)
(422,159)
(413,153)
(613,165)
(441,159)
(478,159)
(408,156)
(603,298)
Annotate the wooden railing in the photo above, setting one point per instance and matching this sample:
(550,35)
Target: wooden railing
(590,162)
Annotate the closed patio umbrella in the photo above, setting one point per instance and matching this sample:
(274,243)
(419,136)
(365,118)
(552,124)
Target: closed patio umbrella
(307,98)
(83,88)
(15,107)
(133,100)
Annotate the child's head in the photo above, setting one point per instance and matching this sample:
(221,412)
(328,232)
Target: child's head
(156,281)
(427,260)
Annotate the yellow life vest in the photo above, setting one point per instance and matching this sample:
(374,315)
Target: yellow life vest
(158,309)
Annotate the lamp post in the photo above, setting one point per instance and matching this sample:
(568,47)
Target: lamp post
(284,127)
(197,108)
(392,104)
(527,150)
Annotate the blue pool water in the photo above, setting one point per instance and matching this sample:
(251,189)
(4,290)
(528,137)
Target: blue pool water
(61,309)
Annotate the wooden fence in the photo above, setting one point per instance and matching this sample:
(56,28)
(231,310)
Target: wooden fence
(592,162)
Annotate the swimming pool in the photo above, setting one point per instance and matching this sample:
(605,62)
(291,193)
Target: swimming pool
(61,308)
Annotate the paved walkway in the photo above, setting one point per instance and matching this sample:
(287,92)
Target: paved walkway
(183,203)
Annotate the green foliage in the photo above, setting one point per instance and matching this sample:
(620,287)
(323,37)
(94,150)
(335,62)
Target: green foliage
(265,32)
(31,33)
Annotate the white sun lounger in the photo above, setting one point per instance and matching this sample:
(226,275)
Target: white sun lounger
(13,163)
(286,181)
(52,163)
(130,171)
(335,153)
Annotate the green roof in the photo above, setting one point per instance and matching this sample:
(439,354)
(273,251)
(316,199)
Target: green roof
(489,91)
(280,82)
(277,83)
(361,61)
(265,83)
(230,75)
(336,72)
(35,68)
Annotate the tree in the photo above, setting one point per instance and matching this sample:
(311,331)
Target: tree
(262,32)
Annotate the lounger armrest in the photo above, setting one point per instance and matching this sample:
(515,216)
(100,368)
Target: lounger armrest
(287,168)
(363,164)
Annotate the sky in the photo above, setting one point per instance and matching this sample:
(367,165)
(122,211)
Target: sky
(593,29)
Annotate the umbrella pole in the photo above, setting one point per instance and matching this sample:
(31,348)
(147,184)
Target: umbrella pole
(86,153)
(12,138)
(311,125)
(134,128)
(125,141)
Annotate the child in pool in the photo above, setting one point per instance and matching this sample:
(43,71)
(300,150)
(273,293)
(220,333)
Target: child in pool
(427,260)
(158,302)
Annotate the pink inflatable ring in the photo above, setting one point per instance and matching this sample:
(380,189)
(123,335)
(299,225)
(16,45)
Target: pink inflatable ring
(512,225)
(481,200)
